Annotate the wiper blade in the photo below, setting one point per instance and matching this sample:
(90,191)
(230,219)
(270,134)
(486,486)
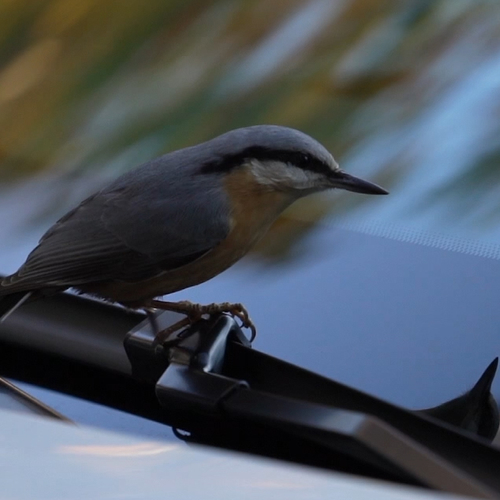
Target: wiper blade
(215,386)
(212,371)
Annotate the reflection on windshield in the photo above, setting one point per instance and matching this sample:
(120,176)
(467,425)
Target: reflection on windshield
(403,95)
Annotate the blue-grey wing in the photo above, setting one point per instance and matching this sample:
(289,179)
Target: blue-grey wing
(130,231)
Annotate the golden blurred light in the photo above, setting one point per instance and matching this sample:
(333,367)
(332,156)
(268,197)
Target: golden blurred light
(28,69)
(62,15)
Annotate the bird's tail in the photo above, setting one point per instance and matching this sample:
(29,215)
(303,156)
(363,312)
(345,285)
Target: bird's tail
(9,303)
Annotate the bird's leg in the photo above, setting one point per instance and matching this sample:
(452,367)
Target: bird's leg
(161,336)
(194,312)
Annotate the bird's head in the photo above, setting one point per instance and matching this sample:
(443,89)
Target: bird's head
(282,159)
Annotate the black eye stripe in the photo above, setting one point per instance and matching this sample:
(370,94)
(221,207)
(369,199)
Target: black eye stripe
(300,159)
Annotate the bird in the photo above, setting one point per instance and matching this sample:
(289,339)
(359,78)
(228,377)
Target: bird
(475,411)
(177,221)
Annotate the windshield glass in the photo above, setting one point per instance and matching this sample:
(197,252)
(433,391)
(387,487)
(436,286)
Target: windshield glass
(395,294)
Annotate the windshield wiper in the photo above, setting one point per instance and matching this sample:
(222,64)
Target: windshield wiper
(212,384)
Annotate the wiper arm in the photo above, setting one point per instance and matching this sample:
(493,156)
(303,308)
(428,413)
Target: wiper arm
(223,392)
(212,371)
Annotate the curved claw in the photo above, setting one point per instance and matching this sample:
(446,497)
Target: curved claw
(196,311)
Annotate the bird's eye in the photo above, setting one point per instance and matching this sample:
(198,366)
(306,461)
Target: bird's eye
(305,158)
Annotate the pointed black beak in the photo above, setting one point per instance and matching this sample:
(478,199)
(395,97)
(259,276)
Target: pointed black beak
(342,180)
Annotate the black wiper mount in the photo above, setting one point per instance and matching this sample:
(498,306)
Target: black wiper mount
(210,370)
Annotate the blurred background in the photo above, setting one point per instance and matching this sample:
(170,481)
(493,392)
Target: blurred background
(395,295)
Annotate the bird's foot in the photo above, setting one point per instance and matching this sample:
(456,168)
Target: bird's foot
(195,312)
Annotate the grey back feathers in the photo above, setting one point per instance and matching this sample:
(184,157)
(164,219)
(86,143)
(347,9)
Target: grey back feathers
(128,231)
(157,217)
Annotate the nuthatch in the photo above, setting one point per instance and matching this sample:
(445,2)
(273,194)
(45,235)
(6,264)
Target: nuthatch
(475,411)
(178,220)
